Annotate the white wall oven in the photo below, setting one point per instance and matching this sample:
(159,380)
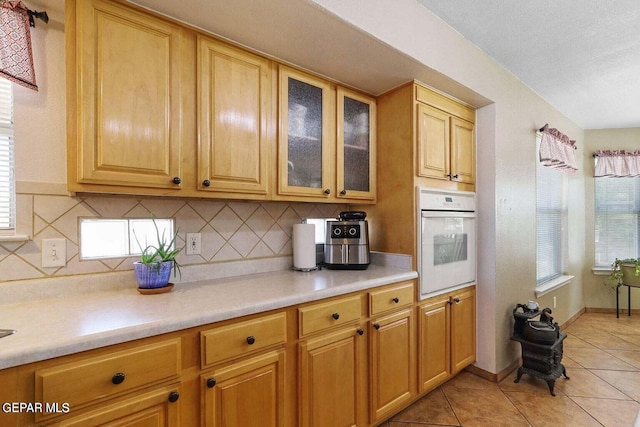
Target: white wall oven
(446,240)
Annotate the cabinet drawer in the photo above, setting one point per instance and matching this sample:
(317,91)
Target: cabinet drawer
(102,376)
(390,298)
(238,339)
(316,317)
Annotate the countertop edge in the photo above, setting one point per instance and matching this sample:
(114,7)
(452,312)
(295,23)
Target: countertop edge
(48,349)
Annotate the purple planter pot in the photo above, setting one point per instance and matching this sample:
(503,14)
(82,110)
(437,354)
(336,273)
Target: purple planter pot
(153,276)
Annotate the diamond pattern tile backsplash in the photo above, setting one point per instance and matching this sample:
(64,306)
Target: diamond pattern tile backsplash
(231,230)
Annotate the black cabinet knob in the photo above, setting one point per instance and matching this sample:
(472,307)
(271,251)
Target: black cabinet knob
(327,191)
(456,300)
(343,193)
(206,183)
(336,316)
(455,176)
(251,339)
(211,382)
(376,325)
(360,331)
(177,180)
(396,300)
(174,396)
(118,378)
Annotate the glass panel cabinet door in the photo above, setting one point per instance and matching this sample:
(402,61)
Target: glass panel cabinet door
(356,146)
(305,134)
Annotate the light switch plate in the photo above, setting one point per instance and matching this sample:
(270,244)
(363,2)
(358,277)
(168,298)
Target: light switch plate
(54,252)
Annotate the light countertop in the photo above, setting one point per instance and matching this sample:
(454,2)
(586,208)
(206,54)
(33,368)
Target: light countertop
(57,326)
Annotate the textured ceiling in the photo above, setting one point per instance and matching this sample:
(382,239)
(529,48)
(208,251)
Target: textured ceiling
(582,56)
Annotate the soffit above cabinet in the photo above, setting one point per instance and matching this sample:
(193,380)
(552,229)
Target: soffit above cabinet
(306,35)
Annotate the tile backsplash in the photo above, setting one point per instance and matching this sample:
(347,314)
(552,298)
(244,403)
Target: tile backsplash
(231,230)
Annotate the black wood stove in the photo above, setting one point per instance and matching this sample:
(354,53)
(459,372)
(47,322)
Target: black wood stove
(541,343)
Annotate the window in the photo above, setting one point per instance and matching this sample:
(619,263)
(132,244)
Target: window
(551,221)
(117,238)
(617,219)
(7,178)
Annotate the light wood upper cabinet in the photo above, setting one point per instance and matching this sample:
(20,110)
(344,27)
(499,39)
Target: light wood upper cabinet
(445,143)
(326,139)
(126,127)
(433,142)
(463,151)
(356,146)
(234,119)
(306,135)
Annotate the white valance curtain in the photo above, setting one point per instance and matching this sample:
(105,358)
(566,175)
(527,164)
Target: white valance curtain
(557,150)
(618,163)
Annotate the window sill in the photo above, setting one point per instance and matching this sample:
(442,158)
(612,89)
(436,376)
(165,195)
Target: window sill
(601,271)
(552,285)
(14,238)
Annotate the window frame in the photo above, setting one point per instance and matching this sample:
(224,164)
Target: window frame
(8,217)
(559,209)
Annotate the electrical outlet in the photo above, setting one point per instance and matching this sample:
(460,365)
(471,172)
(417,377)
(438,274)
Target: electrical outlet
(54,252)
(554,302)
(193,244)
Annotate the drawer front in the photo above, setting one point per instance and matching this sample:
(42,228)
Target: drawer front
(390,298)
(242,338)
(85,380)
(321,316)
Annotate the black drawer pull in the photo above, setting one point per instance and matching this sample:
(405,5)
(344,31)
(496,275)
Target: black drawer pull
(251,339)
(376,325)
(360,331)
(336,316)
(174,396)
(118,378)
(396,300)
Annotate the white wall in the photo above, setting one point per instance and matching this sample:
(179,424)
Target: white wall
(506,166)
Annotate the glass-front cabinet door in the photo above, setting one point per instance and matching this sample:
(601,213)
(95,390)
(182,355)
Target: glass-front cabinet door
(305,135)
(356,150)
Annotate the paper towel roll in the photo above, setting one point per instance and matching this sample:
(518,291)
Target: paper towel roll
(304,246)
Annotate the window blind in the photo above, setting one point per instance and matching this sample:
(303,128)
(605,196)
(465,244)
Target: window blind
(550,223)
(7,180)
(617,219)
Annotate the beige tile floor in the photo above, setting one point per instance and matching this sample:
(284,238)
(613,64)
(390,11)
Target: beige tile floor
(602,357)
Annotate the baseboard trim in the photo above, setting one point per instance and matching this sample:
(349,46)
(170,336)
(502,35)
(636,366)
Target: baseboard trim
(611,310)
(490,376)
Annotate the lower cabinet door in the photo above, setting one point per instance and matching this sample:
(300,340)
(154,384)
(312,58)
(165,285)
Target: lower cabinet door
(392,363)
(247,393)
(330,386)
(463,330)
(157,408)
(434,343)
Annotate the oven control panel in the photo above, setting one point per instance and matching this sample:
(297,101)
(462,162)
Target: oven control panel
(438,200)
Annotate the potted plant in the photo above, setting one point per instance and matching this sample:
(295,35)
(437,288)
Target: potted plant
(625,271)
(153,270)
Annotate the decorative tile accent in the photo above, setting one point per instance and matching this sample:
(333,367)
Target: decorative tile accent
(231,230)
